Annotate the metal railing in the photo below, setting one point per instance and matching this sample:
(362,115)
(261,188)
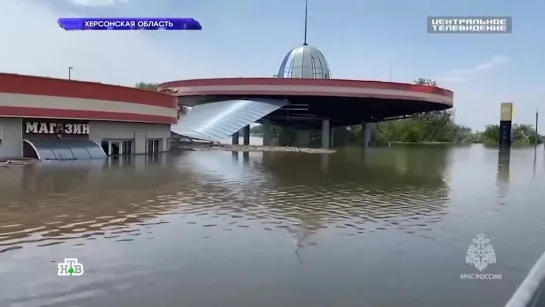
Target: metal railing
(531,292)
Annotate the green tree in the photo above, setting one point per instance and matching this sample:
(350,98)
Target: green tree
(424,81)
(257,129)
(491,134)
(147,86)
(434,126)
(522,134)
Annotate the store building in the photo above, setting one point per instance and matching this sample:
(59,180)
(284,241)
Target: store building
(57,119)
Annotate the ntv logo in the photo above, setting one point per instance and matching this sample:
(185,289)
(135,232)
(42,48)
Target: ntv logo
(480,254)
(70,267)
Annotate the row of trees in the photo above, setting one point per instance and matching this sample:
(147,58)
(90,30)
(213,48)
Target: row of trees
(522,135)
(430,127)
(147,86)
(416,131)
(439,126)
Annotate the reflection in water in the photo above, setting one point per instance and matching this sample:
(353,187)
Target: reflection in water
(535,160)
(246,157)
(502,178)
(58,201)
(325,162)
(346,229)
(365,197)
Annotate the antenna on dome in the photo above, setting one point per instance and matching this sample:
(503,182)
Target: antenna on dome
(306,21)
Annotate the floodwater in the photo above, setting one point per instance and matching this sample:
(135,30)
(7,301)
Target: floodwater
(254,140)
(388,227)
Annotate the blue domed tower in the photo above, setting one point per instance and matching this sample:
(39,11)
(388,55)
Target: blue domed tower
(304,61)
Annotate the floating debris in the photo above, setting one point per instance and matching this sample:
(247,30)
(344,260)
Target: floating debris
(14,162)
(250,148)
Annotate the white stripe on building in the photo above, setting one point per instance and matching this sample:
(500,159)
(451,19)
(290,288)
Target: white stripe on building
(81,104)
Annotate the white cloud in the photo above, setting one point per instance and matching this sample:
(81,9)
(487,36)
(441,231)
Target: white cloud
(97,2)
(464,75)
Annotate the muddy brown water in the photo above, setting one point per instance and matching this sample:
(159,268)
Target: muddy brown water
(386,227)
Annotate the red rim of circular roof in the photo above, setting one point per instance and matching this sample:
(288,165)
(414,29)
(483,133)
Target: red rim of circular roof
(167,86)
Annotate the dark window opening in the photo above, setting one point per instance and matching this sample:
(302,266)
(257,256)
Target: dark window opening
(127,147)
(28,151)
(118,147)
(154,146)
(115,149)
(106,146)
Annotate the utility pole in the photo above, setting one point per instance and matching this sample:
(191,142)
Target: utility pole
(306,22)
(70,72)
(537,123)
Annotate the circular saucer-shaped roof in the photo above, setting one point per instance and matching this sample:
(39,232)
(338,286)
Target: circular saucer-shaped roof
(304,62)
(344,102)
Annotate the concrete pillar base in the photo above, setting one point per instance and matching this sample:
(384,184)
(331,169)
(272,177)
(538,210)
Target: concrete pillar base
(267,133)
(369,133)
(326,131)
(246,135)
(234,138)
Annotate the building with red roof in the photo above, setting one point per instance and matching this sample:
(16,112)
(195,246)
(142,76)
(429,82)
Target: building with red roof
(59,119)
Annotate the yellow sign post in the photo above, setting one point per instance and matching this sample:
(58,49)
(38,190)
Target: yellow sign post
(506,124)
(506,111)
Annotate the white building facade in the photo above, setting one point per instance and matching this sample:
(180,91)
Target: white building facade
(55,119)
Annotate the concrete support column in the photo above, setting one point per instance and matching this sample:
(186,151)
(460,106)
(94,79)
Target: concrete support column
(325,133)
(372,127)
(234,138)
(246,135)
(366,135)
(302,138)
(267,133)
(332,137)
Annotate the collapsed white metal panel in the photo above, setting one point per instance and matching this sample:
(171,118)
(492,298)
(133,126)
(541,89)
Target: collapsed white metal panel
(217,121)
